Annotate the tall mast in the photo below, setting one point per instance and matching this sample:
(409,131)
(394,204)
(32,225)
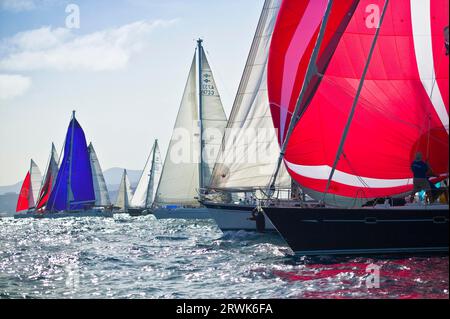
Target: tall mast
(200,108)
(152,173)
(69,180)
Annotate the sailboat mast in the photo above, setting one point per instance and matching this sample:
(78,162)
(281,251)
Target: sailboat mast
(152,173)
(69,180)
(200,108)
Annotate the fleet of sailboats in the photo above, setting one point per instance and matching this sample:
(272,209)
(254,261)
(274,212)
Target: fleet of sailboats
(328,116)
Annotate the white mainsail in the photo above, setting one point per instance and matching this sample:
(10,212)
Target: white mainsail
(100,189)
(180,175)
(249,152)
(36,181)
(125,193)
(180,180)
(145,190)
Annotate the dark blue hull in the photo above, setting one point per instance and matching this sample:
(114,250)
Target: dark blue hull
(328,231)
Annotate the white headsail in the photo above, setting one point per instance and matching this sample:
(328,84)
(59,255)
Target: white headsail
(100,189)
(36,180)
(249,153)
(146,188)
(125,193)
(213,118)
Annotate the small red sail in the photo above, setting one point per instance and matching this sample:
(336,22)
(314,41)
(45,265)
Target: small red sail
(23,201)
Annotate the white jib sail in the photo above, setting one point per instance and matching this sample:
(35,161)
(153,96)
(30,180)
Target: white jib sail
(249,152)
(36,180)
(100,189)
(125,193)
(213,118)
(144,194)
(180,175)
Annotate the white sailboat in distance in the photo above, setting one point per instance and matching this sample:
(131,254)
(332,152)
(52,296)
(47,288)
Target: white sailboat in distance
(144,194)
(125,194)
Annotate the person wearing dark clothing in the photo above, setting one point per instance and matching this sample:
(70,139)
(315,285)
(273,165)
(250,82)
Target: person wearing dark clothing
(421,171)
(258,217)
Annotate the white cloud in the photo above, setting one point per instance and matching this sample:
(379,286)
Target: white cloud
(17,5)
(13,85)
(60,49)
(24,5)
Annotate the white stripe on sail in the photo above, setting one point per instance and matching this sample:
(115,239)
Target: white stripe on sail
(322,172)
(421,24)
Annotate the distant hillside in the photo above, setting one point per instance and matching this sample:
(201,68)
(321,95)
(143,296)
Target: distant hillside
(8,204)
(113,176)
(11,188)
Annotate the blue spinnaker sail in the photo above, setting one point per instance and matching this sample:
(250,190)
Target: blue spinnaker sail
(75,170)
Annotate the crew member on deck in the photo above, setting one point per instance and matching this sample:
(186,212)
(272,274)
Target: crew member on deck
(421,171)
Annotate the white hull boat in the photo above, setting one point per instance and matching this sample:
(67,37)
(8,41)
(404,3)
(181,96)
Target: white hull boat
(182,213)
(231,217)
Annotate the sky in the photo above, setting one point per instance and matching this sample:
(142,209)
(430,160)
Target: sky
(123,70)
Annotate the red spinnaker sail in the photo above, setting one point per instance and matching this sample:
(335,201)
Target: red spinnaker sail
(403,107)
(23,201)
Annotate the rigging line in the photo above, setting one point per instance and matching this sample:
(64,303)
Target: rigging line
(355,101)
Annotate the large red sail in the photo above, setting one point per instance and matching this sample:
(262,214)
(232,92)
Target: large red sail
(293,42)
(23,201)
(402,110)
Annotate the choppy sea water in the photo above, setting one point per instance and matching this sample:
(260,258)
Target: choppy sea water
(127,257)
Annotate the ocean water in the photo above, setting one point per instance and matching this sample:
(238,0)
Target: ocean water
(125,257)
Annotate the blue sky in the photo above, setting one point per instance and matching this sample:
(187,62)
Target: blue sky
(123,70)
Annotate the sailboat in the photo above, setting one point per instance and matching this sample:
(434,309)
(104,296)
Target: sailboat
(49,179)
(72,193)
(143,197)
(355,96)
(191,155)
(248,157)
(29,192)
(125,194)
(101,191)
